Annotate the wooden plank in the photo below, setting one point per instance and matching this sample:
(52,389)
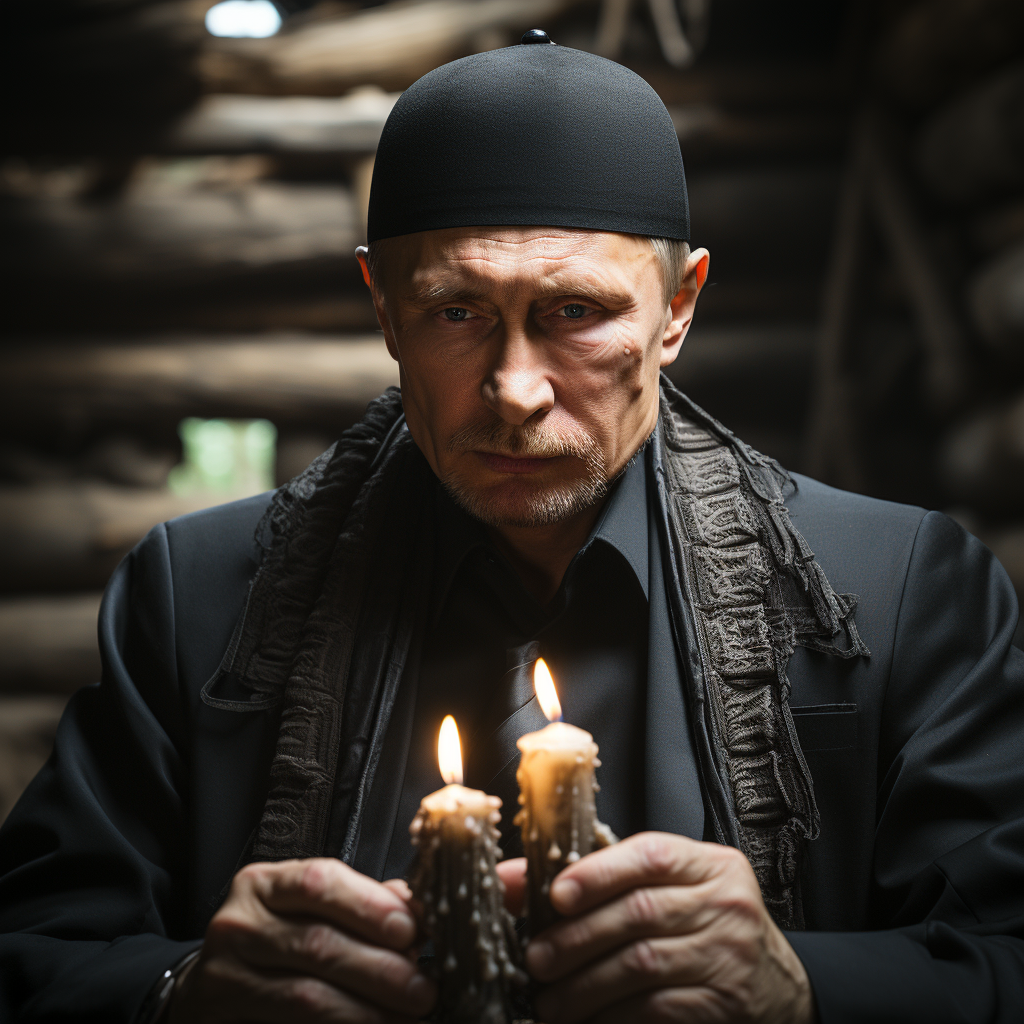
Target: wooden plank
(351,125)
(996,300)
(27,728)
(980,461)
(287,378)
(284,124)
(935,315)
(49,643)
(939,47)
(968,152)
(831,442)
(390,46)
(64,537)
(166,235)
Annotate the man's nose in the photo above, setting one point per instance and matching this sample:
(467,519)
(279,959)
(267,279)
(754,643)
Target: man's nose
(517,386)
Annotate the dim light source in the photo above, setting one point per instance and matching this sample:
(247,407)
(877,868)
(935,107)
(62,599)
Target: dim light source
(547,695)
(449,752)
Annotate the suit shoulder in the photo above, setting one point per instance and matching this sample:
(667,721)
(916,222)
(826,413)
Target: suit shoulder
(819,509)
(863,544)
(221,529)
(215,548)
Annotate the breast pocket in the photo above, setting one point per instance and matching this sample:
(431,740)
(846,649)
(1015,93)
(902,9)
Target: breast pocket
(826,726)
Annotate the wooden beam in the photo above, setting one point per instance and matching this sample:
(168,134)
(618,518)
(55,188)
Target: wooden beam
(49,643)
(935,315)
(286,378)
(28,725)
(70,536)
(831,438)
(390,46)
(968,152)
(284,124)
(996,300)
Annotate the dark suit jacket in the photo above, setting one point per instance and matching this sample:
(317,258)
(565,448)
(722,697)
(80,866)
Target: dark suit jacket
(123,846)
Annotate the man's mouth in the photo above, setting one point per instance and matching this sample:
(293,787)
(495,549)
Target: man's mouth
(512,463)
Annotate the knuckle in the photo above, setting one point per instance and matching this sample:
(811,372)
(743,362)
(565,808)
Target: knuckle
(307,995)
(664,1006)
(741,902)
(227,925)
(656,856)
(641,909)
(313,879)
(642,960)
(246,879)
(315,942)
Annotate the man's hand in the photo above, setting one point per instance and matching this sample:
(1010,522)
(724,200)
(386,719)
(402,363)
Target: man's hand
(662,928)
(306,940)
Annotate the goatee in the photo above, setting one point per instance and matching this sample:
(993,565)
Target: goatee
(523,502)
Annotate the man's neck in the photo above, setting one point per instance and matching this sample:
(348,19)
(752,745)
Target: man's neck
(541,554)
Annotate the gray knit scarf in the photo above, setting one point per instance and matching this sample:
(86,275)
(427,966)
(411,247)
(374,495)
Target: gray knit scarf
(341,593)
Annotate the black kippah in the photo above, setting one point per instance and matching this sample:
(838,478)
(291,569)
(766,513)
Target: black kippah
(529,134)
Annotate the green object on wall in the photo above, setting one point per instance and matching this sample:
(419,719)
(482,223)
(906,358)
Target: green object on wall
(230,457)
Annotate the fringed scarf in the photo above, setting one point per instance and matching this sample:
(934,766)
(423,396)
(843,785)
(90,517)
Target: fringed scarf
(341,593)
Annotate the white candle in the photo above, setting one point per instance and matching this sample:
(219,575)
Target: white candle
(558,817)
(477,957)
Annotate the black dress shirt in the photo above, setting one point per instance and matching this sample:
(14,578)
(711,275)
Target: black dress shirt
(593,634)
(607,638)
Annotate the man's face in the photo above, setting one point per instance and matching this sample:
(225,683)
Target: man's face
(529,361)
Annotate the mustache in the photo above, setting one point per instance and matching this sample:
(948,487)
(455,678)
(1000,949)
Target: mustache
(530,440)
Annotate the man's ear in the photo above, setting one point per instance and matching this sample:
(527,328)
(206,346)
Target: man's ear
(361,253)
(378,303)
(683,304)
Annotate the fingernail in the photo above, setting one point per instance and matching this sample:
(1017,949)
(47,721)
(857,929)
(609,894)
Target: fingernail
(399,928)
(565,894)
(421,991)
(539,956)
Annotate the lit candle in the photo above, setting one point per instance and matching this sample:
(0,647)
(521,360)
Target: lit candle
(476,955)
(558,818)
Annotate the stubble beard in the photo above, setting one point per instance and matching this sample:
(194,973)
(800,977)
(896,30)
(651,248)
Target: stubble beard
(524,503)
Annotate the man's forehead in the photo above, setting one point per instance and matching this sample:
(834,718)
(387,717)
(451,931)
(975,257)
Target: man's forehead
(485,252)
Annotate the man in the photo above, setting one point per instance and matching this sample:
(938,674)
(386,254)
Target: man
(821,794)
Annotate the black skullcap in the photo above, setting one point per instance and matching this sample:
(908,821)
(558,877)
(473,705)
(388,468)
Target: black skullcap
(529,134)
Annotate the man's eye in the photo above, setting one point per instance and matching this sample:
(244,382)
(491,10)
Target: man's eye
(574,311)
(456,313)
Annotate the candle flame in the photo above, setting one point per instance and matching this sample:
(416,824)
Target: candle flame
(449,751)
(547,695)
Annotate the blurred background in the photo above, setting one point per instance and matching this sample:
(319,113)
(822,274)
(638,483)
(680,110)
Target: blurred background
(182,185)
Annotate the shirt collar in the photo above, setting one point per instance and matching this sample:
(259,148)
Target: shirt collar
(623,521)
(622,526)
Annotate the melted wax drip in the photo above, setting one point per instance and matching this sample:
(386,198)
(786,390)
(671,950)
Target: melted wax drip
(473,934)
(574,832)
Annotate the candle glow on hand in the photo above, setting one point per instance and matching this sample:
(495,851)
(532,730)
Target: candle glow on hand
(547,695)
(449,752)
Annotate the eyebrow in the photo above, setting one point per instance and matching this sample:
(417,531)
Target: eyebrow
(443,292)
(549,287)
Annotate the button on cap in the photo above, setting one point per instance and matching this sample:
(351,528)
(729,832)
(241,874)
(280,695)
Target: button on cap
(535,35)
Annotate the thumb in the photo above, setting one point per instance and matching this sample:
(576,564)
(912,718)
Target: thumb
(513,875)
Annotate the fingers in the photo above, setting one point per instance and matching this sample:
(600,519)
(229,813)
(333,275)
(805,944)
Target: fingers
(695,1005)
(650,858)
(642,913)
(323,953)
(637,968)
(230,991)
(513,875)
(400,887)
(330,890)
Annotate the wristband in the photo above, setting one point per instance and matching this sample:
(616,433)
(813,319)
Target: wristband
(159,996)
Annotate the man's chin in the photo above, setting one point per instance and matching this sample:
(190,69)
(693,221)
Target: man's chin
(518,504)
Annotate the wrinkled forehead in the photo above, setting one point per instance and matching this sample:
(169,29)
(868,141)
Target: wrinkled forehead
(432,262)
